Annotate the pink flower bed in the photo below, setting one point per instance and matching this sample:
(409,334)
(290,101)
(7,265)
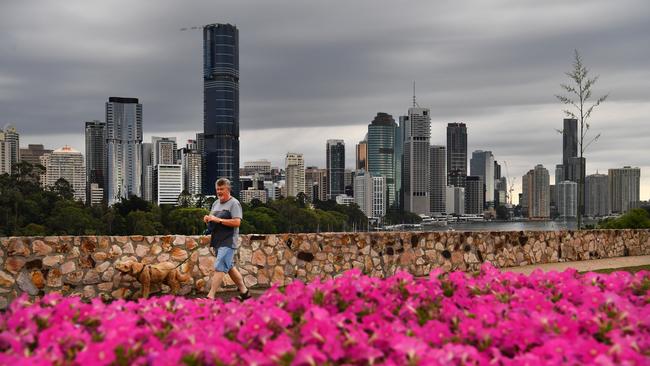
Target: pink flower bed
(492,318)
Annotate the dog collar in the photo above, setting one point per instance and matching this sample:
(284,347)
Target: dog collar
(143,267)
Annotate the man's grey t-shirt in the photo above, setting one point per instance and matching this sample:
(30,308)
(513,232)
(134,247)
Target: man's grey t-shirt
(226,210)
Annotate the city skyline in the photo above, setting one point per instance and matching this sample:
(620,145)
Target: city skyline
(338,102)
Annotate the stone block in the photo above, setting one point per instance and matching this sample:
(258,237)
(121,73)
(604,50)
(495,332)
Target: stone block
(141,250)
(38,280)
(24,282)
(127,248)
(17,248)
(40,248)
(258,258)
(54,278)
(6,280)
(14,264)
(155,249)
(116,251)
(52,260)
(74,278)
(178,254)
(89,292)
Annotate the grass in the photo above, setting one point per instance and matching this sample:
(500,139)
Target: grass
(634,269)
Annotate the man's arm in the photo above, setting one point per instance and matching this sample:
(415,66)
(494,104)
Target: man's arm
(235,222)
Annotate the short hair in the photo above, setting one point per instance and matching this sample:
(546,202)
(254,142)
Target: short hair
(223,182)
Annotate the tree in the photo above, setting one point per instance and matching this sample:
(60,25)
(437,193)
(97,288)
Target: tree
(579,101)
(64,189)
(187,221)
(637,218)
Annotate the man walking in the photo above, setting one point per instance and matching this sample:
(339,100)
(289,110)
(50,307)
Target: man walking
(224,220)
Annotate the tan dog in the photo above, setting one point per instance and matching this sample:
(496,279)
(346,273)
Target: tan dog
(166,273)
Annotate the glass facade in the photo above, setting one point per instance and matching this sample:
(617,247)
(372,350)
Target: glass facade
(381,151)
(220,105)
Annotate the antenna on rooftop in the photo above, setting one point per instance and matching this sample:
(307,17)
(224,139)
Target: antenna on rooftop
(414,102)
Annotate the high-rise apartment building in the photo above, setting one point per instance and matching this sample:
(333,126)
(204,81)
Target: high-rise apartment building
(124,150)
(455,200)
(597,195)
(370,194)
(295,174)
(66,163)
(9,148)
(438,183)
(163,150)
(167,183)
(482,165)
(416,161)
(96,158)
(474,196)
(221,105)
(381,151)
(567,203)
(456,154)
(536,191)
(335,160)
(191,163)
(624,188)
(316,183)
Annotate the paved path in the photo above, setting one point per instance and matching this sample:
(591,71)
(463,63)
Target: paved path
(582,266)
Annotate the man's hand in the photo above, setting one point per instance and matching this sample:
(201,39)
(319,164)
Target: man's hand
(208,218)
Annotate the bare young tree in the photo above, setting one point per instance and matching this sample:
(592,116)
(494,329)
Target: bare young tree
(580,105)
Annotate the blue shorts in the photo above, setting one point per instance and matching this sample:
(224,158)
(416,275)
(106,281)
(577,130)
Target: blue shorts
(225,259)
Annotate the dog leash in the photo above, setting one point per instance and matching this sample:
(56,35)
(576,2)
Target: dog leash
(188,257)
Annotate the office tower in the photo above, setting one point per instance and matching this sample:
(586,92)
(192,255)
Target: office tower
(624,189)
(32,154)
(295,174)
(124,148)
(536,200)
(438,183)
(349,182)
(221,105)
(482,165)
(261,167)
(455,200)
(575,166)
(191,163)
(5,156)
(553,206)
(316,184)
(398,161)
(335,159)
(168,183)
(597,195)
(96,194)
(147,172)
(559,173)
(567,193)
(11,148)
(362,154)
(381,151)
(456,154)
(474,196)
(96,158)
(569,145)
(501,192)
(251,194)
(66,163)
(370,194)
(163,150)
(497,171)
(416,166)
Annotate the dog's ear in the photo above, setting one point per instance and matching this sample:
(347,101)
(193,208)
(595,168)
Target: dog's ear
(136,267)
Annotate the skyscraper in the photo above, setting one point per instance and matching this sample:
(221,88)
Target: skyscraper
(295,174)
(597,195)
(398,162)
(9,148)
(124,150)
(567,192)
(316,183)
(335,159)
(167,183)
(147,171)
(66,163)
(438,184)
(474,196)
(455,200)
(416,165)
(96,159)
(482,165)
(362,154)
(191,163)
(624,189)
(163,149)
(456,154)
(569,145)
(381,151)
(370,194)
(221,105)
(33,153)
(536,191)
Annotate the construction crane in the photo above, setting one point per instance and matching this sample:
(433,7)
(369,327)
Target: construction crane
(510,183)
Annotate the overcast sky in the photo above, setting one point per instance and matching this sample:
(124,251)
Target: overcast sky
(317,70)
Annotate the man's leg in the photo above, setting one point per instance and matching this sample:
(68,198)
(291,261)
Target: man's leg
(237,279)
(217,280)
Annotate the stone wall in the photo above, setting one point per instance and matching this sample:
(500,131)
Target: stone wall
(84,265)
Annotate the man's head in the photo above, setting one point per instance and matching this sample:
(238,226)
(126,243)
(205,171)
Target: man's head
(223,189)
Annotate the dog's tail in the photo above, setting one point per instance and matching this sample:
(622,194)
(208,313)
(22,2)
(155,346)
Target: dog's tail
(185,276)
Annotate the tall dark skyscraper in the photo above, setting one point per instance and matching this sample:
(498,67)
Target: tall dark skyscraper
(569,145)
(221,105)
(335,168)
(95,156)
(381,151)
(456,154)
